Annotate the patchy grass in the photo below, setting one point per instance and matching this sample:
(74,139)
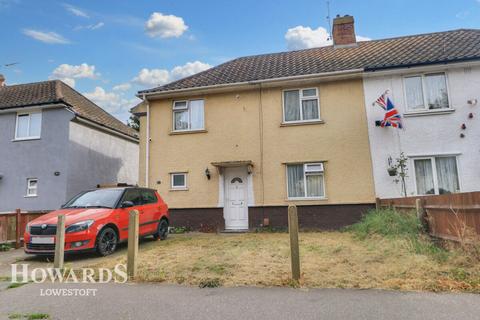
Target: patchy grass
(29,316)
(14,285)
(383,251)
(5,246)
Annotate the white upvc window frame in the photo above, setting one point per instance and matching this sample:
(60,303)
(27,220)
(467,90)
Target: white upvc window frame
(305,173)
(432,159)
(301,98)
(425,108)
(32,191)
(184,186)
(29,115)
(187,109)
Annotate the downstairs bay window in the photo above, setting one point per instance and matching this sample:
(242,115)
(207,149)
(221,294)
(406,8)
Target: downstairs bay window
(305,181)
(436,175)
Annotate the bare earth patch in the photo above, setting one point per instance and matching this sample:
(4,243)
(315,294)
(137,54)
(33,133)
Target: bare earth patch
(328,260)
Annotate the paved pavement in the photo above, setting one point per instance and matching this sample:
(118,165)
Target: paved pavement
(157,301)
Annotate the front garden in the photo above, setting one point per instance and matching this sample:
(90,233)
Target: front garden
(386,250)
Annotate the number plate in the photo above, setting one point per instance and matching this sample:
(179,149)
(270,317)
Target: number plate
(43,240)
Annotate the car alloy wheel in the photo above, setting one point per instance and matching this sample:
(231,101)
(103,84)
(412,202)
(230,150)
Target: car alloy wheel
(162,231)
(107,242)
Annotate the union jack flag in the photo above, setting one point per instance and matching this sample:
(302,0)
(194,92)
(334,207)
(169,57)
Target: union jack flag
(392,118)
(381,101)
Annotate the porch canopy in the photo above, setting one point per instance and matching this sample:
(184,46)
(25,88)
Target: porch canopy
(230,164)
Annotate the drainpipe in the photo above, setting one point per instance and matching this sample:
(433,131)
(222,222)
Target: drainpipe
(147,143)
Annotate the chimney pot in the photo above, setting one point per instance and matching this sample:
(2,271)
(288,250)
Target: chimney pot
(2,80)
(344,31)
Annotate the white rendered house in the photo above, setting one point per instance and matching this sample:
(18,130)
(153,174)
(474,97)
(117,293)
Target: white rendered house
(440,109)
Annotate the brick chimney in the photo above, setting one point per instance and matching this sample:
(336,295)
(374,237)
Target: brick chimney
(344,31)
(2,80)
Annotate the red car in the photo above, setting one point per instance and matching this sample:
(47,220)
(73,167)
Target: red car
(98,220)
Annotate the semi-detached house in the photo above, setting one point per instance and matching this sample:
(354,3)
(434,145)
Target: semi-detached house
(233,146)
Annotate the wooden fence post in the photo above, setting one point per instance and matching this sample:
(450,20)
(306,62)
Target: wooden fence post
(294,248)
(18,232)
(133,225)
(420,212)
(59,242)
(377,203)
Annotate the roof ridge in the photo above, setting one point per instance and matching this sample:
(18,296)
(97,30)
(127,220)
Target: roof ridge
(364,41)
(26,84)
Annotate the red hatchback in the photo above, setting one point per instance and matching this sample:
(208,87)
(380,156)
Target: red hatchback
(98,220)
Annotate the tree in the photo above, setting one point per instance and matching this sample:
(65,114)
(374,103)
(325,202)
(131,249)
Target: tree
(134,122)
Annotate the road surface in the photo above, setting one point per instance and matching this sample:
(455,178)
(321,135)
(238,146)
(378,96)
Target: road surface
(159,301)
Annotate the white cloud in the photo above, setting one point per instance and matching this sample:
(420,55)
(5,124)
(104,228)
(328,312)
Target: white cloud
(90,26)
(46,37)
(158,77)
(76,11)
(188,69)
(301,37)
(165,26)
(112,102)
(68,73)
(122,87)
(152,78)
(463,14)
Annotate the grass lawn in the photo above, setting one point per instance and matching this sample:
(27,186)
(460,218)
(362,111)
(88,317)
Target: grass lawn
(366,256)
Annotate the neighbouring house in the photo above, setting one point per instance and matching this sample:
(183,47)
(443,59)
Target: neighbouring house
(437,93)
(55,143)
(234,145)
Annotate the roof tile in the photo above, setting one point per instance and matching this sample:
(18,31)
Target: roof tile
(440,47)
(55,91)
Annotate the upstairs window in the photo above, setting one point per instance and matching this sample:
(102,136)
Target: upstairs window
(28,126)
(305,181)
(301,105)
(427,92)
(188,115)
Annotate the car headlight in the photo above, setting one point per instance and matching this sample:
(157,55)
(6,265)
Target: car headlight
(79,226)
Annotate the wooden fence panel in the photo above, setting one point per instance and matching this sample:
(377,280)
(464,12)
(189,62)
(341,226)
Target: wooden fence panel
(8,224)
(450,216)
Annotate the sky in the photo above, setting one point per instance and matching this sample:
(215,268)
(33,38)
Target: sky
(110,49)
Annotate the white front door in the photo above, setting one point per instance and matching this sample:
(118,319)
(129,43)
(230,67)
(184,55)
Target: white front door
(235,211)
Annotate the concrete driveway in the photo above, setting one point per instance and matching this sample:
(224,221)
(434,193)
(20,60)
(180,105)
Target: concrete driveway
(157,301)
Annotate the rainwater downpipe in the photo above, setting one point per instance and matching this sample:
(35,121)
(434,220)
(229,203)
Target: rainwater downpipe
(147,143)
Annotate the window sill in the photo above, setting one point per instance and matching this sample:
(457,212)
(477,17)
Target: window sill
(301,123)
(307,199)
(427,112)
(173,133)
(25,139)
(35,196)
(178,189)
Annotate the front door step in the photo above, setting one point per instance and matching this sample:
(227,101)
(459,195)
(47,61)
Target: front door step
(234,231)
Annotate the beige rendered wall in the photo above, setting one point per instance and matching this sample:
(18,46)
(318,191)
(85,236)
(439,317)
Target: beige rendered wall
(234,132)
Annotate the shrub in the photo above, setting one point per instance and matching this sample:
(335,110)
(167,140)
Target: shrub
(5,246)
(388,223)
(393,224)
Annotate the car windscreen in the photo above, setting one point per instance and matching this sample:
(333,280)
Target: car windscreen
(102,198)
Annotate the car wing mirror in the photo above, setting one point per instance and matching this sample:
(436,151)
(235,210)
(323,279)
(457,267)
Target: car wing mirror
(127,204)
